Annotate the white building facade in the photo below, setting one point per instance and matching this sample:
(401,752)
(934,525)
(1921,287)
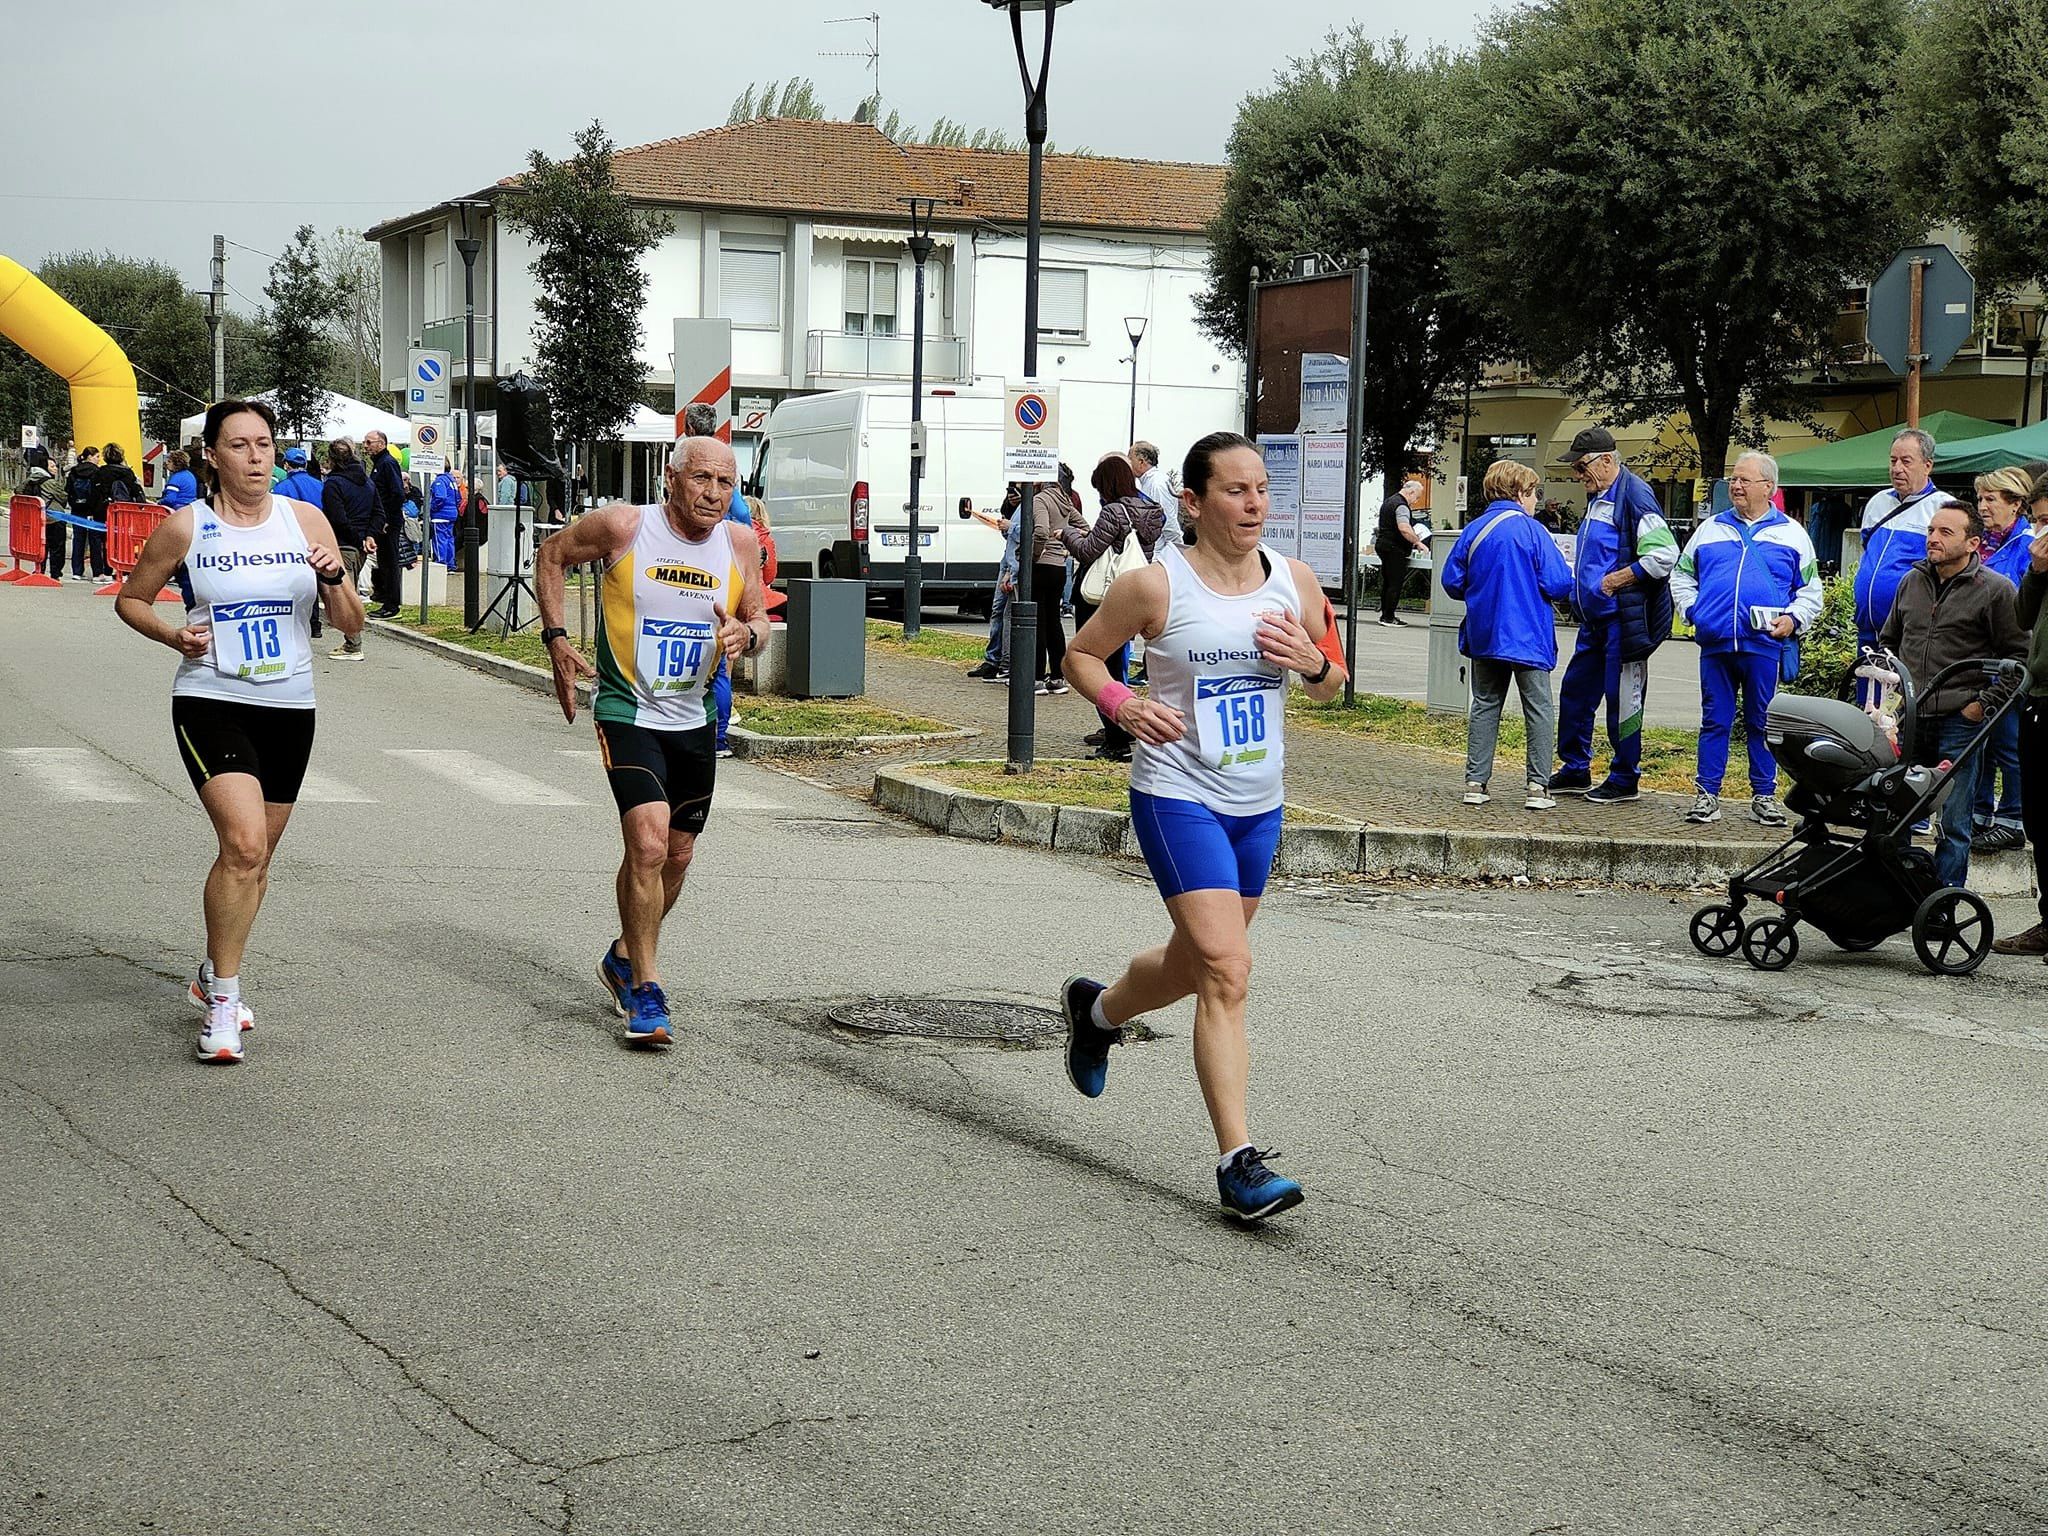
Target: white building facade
(819,291)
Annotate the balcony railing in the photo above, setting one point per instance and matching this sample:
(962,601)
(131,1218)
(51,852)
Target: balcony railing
(447,336)
(842,355)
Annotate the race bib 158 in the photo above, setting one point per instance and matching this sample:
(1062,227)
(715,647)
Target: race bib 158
(1233,716)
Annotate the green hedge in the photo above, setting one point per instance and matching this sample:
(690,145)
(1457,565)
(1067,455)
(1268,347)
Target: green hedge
(1827,651)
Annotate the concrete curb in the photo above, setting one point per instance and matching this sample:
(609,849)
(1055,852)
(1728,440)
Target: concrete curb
(746,743)
(503,668)
(1434,853)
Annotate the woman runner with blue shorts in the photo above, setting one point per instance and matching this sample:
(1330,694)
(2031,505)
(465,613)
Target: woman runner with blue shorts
(1225,621)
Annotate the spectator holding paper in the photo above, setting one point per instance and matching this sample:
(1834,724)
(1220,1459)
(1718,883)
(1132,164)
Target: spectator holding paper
(1749,584)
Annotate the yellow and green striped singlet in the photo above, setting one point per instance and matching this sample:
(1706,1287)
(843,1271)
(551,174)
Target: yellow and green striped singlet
(657,637)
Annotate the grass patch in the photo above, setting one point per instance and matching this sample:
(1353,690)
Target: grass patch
(446,624)
(930,645)
(1669,754)
(827,717)
(1099,786)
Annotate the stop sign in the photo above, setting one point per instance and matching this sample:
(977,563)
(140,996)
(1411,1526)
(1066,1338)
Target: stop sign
(1948,309)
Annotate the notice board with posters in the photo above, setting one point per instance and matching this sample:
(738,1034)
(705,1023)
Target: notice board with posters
(1323,472)
(1282,453)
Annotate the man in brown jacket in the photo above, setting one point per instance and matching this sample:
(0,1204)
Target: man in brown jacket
(1949,608)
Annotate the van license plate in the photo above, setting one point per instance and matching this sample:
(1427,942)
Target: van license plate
(902,540)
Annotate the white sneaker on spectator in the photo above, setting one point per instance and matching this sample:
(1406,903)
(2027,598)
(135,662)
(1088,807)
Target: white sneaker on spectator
(1705,808)
(1475,793)
(1539,798)
(1766,811)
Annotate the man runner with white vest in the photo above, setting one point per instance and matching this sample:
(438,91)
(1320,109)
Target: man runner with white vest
(681,588)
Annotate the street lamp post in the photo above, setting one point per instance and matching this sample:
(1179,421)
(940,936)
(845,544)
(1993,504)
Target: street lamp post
(1134,327)
(1023,744)
(913,563)
(2030,346)
(472,575)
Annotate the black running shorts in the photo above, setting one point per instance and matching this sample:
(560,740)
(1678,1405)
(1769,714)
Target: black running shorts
(217,736)
(648,767)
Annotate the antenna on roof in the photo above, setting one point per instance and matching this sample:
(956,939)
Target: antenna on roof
(872,53)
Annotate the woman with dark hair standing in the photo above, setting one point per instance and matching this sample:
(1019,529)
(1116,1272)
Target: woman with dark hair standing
(251,565)
(1124,511)
(1225,621)
(1054,511)
(350,502)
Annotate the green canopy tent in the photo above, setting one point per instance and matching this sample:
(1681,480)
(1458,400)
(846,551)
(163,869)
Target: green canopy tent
(1981,455)
(1866,460)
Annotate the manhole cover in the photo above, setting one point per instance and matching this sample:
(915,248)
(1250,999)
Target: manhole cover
(951,1018)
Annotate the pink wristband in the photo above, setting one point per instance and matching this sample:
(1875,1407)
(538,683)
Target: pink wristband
(1113,697)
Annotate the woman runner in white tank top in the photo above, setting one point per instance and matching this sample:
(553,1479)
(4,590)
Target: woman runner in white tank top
(250,566)
(1225,622)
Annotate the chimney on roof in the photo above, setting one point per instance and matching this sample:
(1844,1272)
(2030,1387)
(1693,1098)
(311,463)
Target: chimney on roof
(965,186)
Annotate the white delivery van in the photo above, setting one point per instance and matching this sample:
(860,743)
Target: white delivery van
(835,477)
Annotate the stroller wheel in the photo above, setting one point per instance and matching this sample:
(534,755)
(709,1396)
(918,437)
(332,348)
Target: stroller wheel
(1952,932)
(1770,943)
(1717,930)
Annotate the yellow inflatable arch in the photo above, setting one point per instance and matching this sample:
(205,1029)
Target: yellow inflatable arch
(105,406)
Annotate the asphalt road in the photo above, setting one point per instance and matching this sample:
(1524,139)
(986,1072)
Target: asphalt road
(1600,1237)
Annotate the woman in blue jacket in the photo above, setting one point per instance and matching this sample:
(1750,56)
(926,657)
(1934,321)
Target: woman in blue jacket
(1507,571)
(182,489)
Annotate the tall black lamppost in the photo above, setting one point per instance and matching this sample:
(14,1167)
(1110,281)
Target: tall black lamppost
(913,563)
(2030,346)
(1134,327)
(472,573)
(1023,746)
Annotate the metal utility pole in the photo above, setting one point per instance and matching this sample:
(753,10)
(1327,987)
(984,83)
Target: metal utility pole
(216,314)
(913,563)
(1915,355)
(1354,464)
(472,573)
(1134,327)
(1023,745)
(1251,357)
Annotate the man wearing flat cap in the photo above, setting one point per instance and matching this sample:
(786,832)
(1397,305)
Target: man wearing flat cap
(1621,594)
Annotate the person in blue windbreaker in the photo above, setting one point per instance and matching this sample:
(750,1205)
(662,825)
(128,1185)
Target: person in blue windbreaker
(1621,595)
(1505,568)
(1895,531)
(1749,584)
(2008,544)
(301,481)
(182,488)
(444,506)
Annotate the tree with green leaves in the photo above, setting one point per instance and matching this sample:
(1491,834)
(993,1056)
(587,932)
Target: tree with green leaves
(1968,136)
(303,305)
(793,97)
(1665,198)
(589,240)
(1345,155)
(146,308)
(350,266)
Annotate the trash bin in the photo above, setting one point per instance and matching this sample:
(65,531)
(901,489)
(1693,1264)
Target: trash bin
(828,639)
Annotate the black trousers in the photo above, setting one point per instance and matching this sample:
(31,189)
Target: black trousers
(2034,788)
(387,582)
(1393,577)
(85,542)
(1046,584)
(53,548)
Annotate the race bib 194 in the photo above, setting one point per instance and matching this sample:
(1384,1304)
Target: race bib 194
(256,642)
(673,654)
(1233,716)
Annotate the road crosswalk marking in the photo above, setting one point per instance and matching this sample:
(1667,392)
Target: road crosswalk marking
(74,773)
(324,789)
(482,777)
(728,796)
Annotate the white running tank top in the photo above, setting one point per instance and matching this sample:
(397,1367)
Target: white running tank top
(1206,664)
(255,587)
(657,636)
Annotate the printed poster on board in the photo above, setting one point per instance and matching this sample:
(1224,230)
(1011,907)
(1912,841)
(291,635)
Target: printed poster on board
(1323,472)
(1325,393)
(1282,453)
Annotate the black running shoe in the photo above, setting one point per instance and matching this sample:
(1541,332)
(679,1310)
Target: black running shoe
(1251,1191)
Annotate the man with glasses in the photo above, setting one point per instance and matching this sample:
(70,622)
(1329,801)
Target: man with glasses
(1895,531)
(1748,583)
(1621,592)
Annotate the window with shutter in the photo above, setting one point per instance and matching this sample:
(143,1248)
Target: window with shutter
(885,298)
(750,287)
(856,298)
(1063,303)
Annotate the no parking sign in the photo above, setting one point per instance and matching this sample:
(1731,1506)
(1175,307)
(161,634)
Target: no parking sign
(1031,431)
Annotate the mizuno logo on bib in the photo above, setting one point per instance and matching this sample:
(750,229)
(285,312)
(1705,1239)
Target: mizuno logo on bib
(672,653)
(1232,715)
(256,642)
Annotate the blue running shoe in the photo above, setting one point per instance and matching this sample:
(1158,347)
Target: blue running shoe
(1251,1191)
(648,1023)
(617,976)
(1088,1042)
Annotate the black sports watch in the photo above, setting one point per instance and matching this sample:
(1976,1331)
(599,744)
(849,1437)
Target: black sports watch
(1325,672)
(551,634)
(335,580)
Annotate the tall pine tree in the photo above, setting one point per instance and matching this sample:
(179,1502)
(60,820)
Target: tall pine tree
(301,346)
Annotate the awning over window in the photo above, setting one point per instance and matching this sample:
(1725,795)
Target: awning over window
(861,235)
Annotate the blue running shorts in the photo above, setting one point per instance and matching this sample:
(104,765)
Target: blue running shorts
(1189,847)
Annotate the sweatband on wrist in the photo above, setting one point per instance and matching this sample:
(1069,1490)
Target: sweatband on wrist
(1113,697)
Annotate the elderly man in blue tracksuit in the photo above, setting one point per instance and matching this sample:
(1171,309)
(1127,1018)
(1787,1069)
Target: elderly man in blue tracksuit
(1506,570)
(1621,591)
(1895,531)
(1749,584)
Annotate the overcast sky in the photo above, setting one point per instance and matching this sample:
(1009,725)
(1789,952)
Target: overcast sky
(234,117)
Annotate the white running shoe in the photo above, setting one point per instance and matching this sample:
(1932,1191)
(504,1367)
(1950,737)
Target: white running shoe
(1475,793)
(1705,808)
(199,997)
(1539,799)
(221,1040)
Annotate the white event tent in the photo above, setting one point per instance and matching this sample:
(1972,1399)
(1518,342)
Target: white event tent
(339,417)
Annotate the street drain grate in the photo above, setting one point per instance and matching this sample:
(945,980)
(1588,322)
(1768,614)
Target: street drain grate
(976,1020)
